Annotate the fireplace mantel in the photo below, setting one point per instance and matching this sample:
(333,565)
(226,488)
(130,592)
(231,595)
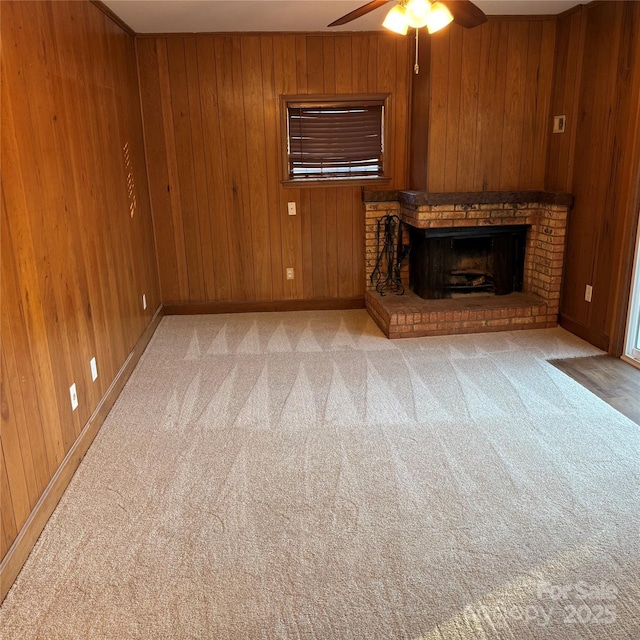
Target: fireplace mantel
(469,198)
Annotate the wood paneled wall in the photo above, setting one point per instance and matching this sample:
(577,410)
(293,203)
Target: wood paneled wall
(212,129)
(75,263)
(419,121)
(605,169)
(490,89)
(567,76)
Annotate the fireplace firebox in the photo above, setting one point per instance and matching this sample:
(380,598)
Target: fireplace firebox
(451,262)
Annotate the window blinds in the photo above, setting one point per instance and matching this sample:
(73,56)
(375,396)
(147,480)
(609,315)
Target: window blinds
(335,141)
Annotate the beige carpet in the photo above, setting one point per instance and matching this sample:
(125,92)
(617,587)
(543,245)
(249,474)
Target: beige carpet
(297,476)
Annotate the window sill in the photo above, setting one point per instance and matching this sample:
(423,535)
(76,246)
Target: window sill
(334,182)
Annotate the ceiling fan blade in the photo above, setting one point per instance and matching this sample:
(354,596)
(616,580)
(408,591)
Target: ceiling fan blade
(465,13)
(357,13)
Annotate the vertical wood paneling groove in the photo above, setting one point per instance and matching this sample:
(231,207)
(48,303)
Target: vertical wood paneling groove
(569,46)
(489,95)
(438,113)
(14,341)
(21,321)
(160,182)
(517,46)
(173,184)
(256,162)
(270,125)
(419,157)
(184,146)
(531,102)
(16,416)
(9,526)
(199,165)
(214,167)
(30,260)
(469,78)
(15,463)
(285,83)
(451,126)
(543,124)
(240,174)
(232,149)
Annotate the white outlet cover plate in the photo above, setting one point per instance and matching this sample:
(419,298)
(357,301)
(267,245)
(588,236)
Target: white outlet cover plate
(73,394)
(144,300)
(94,369)
(559,124)
(291,207)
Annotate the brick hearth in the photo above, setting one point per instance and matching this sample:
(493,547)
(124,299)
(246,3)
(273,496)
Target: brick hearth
(536,307)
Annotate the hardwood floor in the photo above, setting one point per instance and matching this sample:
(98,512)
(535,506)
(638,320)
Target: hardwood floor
(611,379)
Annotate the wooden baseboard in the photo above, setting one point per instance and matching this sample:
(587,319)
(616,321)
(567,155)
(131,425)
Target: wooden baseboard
(19,551)
(193,308)
(596,338)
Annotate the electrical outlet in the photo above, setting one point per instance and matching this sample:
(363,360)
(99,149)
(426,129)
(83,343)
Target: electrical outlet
(73,394)
(588,293)
(144,301)
(290,273)
(94,369)
(291,207)
(559,124)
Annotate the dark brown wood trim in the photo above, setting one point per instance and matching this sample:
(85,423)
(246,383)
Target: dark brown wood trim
(17,555)
(418,198)
(194,308)
(596,338)
(117,19)
(315,34)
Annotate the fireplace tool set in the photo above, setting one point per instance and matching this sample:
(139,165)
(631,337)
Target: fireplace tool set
(391,254)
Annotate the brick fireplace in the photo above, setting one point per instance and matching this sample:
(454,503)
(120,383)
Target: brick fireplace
(542,214)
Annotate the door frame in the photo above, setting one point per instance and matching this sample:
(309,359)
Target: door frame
(631,352)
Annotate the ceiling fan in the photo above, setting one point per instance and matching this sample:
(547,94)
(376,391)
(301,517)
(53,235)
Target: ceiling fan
(421,13)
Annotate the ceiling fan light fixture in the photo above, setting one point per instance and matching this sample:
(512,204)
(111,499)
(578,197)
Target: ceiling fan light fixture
(418,13)
(396,20)
(438,18)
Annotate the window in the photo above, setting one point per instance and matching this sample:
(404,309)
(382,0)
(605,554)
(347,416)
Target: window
(334,137)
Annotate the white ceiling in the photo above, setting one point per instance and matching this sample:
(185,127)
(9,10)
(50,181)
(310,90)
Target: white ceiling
(215,16)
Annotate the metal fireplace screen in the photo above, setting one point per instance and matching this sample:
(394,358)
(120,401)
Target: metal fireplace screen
(451,262)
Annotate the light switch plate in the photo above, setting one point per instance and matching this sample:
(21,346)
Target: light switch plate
(588,293)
